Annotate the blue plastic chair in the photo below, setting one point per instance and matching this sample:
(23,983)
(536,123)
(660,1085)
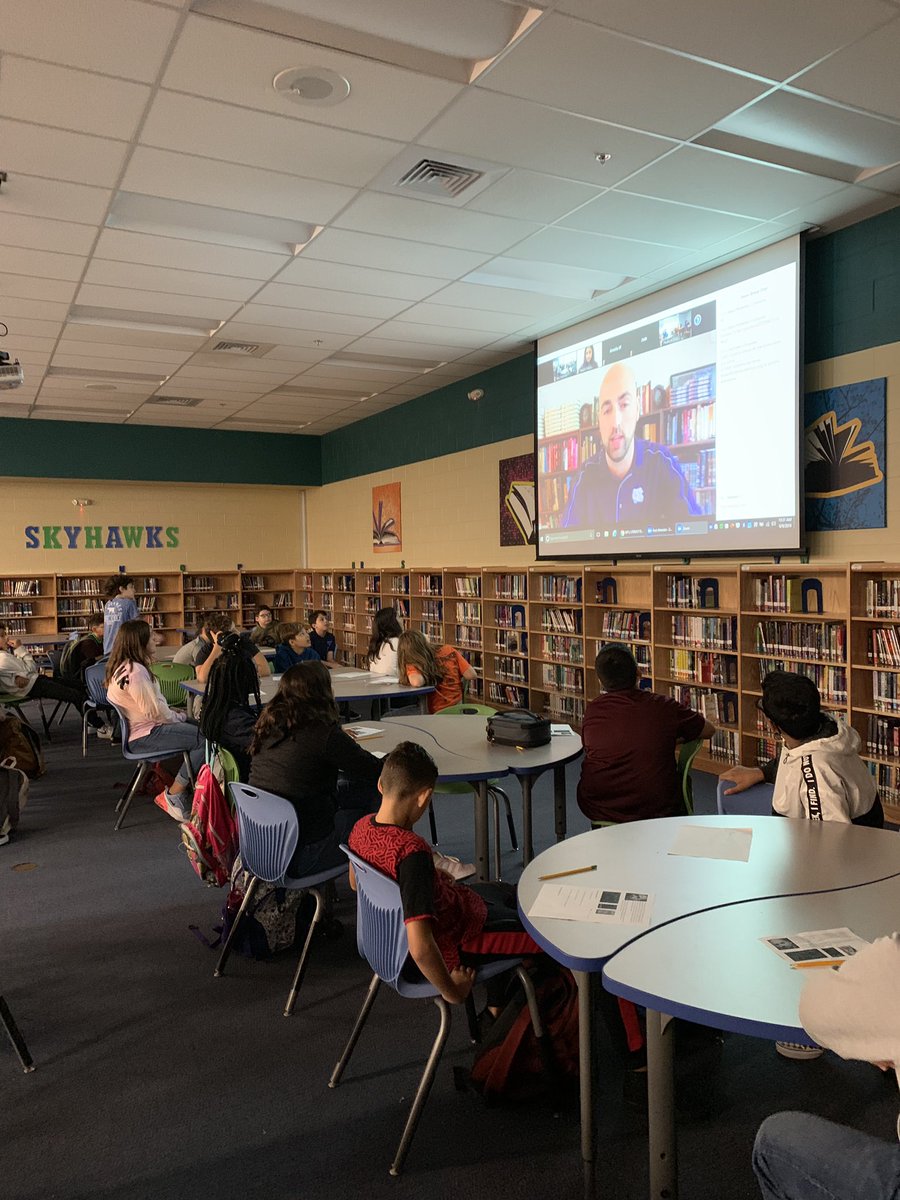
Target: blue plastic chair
(268,833)
(143,759)
(754,802)
(96,700)
(382,942)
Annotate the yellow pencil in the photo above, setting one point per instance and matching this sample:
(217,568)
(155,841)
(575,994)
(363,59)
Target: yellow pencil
(574,871)
(819,962)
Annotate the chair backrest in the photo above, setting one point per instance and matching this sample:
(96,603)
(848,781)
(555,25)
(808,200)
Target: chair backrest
(94,682)
(268,831)
(54,657)
(687,752)
(126,726)
(380,932)
(467,708)
(754,802)
(169,677)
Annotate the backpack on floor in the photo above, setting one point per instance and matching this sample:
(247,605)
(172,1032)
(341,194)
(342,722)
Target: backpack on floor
(13,794)
(210,834)
(276,920)
(511,1065)
(18,741)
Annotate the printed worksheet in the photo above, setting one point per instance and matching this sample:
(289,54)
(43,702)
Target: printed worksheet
(710,841)
(363,731)
(602,906)
(819,947)
(561,731)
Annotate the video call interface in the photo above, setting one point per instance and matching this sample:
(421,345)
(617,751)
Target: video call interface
(678,431)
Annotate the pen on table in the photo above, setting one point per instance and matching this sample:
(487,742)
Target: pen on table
(819,962)
(574,871)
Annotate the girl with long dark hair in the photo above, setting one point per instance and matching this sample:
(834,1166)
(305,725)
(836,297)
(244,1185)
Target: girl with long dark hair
(228,717)
(298,749)
(381,657)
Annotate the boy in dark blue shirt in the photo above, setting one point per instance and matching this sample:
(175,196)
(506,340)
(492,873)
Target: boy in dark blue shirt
(293,647)
(321,639)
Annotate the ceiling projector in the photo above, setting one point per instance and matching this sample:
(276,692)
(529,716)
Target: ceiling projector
(11,374)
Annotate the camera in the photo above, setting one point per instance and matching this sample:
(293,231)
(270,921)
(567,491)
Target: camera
(11,373)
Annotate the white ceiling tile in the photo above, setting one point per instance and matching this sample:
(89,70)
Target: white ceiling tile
(39,264)
(446,316)
(258,426)
(727,183)
(95,351)
(498,299)
(30,326)
(42,345)
(27,287)
(619,214)
(134,300)
(365,281)
(508,130)
(247,189)
(239,365)
(73,389)
(63,414)
(434,337)
(42,310)
(532,197)
(583,69)
(93,400)
(115,335)
(767,37)
(858,202)
(295,344)
(322,300)
(33,233)
(57,154)
(118,37)
(48,95)
(883,181)
(260,380)
(167,279)
(384,100)
(257,139)
(386,253)
(576,249)
(298,318)
(421,221)
(864,74)
(120,245)
(35,197)
(326,377)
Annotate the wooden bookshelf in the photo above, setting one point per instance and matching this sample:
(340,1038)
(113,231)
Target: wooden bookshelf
(618,608)
(368,602)
(427,604)
(463,620)
(212,592)
(505,637)
(556,642)
(344,618)
(28,605)
(273,588)
(160,601)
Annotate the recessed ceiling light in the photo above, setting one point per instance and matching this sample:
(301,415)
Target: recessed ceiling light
(123,318)
(100,387)
(602,158)
(312,85)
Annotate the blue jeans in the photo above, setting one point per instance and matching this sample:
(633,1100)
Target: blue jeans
(800,1157)
(169,740)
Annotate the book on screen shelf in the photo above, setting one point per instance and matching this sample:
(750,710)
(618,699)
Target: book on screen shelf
(685,426)
(717,706)
(625,625)
(882,737)
(501,693)
(883,597)
(20,587)
(831,681)
(513,641)
(563,649)
(802,639)
(884,646)
(701,471)
(705,633)
(704,666)
(562,419)
(563,620)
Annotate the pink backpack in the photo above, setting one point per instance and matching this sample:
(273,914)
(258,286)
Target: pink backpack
(210,834)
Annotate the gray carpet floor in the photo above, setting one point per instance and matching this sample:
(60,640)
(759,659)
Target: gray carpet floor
(156,1081)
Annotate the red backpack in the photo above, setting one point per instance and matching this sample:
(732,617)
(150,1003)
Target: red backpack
(210,834)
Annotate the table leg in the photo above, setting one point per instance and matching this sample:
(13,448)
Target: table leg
(12,1031)
(482,868)
(661,1102)
(586,996)
(559,800)
(527,835)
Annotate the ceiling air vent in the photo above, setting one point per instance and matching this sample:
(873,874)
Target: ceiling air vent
(175,401)
(432,178)
(247,349)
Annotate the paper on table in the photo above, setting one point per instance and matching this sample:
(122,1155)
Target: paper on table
(363,731)
(384,679)
(705,841)
(816,946)
(602,906)
(378,753)
(339,675)
(561,730)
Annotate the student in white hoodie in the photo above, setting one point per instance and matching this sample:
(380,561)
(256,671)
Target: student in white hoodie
(852,1011)
(21,678)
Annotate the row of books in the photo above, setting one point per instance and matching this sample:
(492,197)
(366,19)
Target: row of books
(568,454)
(562,679)
(467,585)
(433,610)
(717,707)
(511,587)
(253,583)
(200,583)
(693,387)
(688,425)
(500,693)
(561,587)
(884,646)
(702,473)
(803,639)
(562,620)
(777,593)
(724,747)
(555,421)
(346,583)
(555,494)
(87,587)
(563,649)
(625,625)
(220,600)
(398,585)
(691,591)
(565,708)
(883,597)
(705,633)
(831,681)
(372,605)
(146,604)
(767,748)
(468,636)
(704,667)
(371,585)
(510,616)
(511,670)
(79,606)
(883,737)
(887,779)
(513,641)
(13,608)
(18,627)
(468,612)
(431,585)
(348,604)
(885,691)
(401,607)
(433,631)
(21,587)
(641,654)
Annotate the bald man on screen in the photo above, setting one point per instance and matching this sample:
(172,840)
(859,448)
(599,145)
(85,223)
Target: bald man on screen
(630,483)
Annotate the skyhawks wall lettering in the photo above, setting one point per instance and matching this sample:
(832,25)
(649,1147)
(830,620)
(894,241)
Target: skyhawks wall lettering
(101,537)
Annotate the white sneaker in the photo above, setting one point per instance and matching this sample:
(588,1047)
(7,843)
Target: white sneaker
(800,1051)
(105,731)
(453,867)
(172,806)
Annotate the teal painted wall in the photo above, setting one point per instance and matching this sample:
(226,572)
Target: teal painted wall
(442,422)
(84,450)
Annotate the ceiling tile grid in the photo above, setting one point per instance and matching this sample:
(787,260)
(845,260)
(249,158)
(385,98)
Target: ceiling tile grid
(175,226)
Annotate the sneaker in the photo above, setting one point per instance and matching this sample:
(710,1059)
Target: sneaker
(172,806)
(801,1051)
(105,732)
(453,867)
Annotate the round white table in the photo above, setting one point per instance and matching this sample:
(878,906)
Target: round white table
(347,685)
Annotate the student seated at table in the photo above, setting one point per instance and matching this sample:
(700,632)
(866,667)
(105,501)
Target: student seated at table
(630,735)
(443,669)
(819,774)
(21,677)
(82,652)
(853,1012)
(321,638)
(292,647)
(265,630)
(381,656)
(220,624)
(154,727)
(231,703)
(188,654)
(452,927)
(120,607)
(298,752)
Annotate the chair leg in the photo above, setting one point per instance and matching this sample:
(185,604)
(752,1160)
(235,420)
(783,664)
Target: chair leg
(65,705)
(433,823)
(304,953)
(513,839)
(130,785)
(226,949)
(84,729)
(531,1000)
(495,814)
(12,1032)
(44,720)
(361,1019)
(188,767)
(125,802)
(472,1020)
(424,1087)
